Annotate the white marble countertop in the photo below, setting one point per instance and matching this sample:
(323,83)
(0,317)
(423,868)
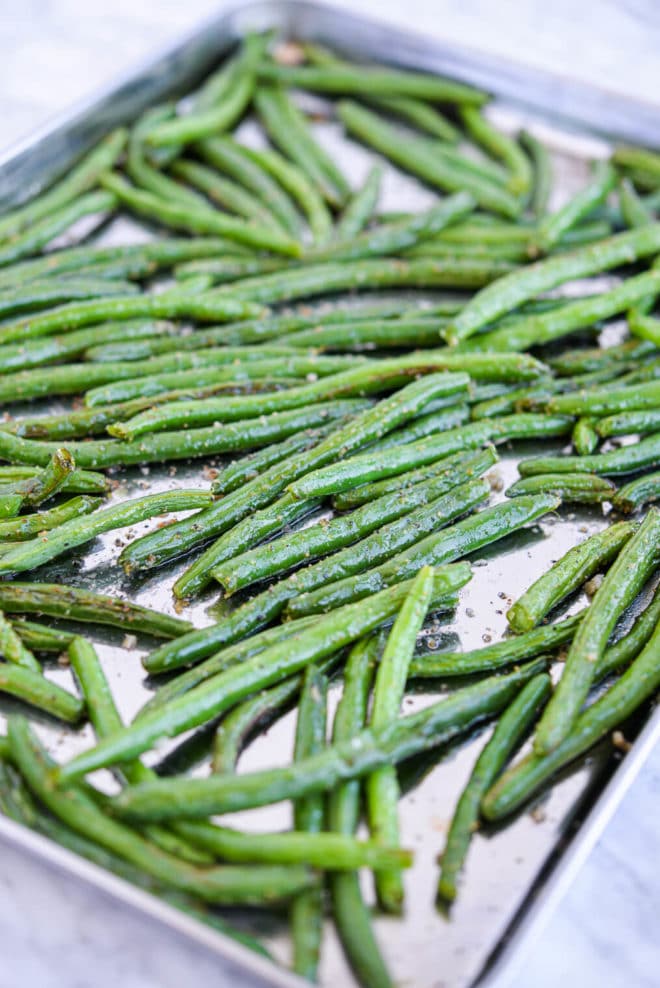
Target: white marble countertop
(605,930)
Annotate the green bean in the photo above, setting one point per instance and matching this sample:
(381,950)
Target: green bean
(200,123)
(381,787)
(350,914)
(28,813)
(508,652)
(536,330)
(500,146)
(518,287)
(425,160)
(572,488)
(364,428)
(226,884)
(628,647)
(573,362)
(634,158)
(220,661)
(360,207)
(462,466)
(275,663)
(327,536)
(640,681)
(39,235)
(105,720)
(434,509)
(350,759)
(204,221)
(567,575)
(306,914)
(363,380)
(233,730)
(399,459)
(366,81)
(68,535)
(78,180)
(627,459)
(584,436)
(32,687)
(634,564)
(287,127)
(49,349)
(634,495)
(395,238)
(74,604)
(241,538)
(231,158)
(629,423)
(151,179)
(367,335)
(133,260)
(179,445)
(241,471)
(576,209)
(171,304)
(608,400)
(10,505)
(634,211)
(294,180)
(310,280)
(209,375)
(14,649)
(509,732)
(502,234)
(644,327)
(38,638)
(444,546)
(42,294)
(46,482)
(542,172)
(427,425)
(224,192)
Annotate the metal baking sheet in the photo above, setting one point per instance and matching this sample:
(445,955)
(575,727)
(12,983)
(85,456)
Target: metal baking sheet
(515,874)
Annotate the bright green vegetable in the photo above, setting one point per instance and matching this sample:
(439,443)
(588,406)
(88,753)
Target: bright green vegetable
(555,225)
(306,915)
(613,708)
(225,884)
(635,563)
(512,290)
(637,493)
(510,730)
(14,649)
(507,652)
(577,488)
(351,759)
(627,459)
(567,575)
(275,663)
(74,604)
(360,208)
(382,787)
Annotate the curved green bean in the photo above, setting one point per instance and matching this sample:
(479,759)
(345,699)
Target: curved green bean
(509,732)
(627,459)
(567,575)
(633,496)
(576,488)
(512,290)
(634,564)
(640,681)
(75,604)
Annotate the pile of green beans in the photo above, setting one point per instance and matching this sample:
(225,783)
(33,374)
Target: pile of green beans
(339,382)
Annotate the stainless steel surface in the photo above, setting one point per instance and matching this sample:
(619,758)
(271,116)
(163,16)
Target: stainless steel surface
(504,867)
